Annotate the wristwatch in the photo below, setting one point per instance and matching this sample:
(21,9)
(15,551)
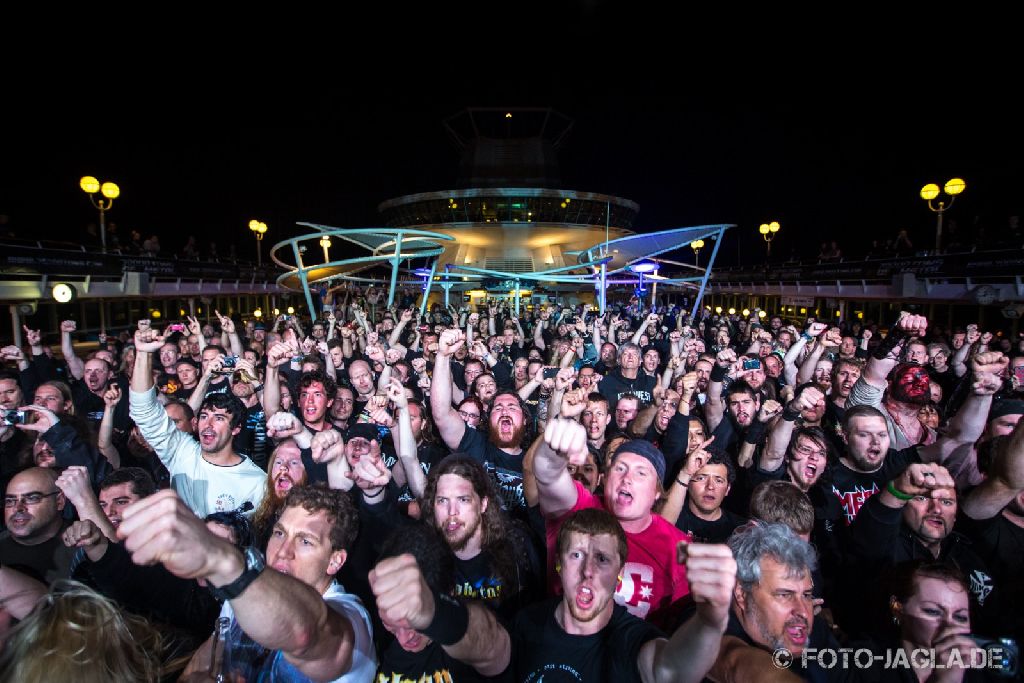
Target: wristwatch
(254,566)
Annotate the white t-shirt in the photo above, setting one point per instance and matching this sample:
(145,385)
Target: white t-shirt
(203,486)
(255,663)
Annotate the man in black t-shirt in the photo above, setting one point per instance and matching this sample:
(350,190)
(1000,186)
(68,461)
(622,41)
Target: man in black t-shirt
(772,562)
(495,561)
(32,511)
(585,634)
(703,516)
(408,655)
(435,636)
(501,451)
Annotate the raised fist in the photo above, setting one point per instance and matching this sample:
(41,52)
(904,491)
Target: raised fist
(769,410)
(913,325)
(449,342)
(568,438)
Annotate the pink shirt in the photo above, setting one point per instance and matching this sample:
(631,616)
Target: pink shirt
(652,581)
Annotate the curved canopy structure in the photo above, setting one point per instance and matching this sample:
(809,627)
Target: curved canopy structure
(589,267)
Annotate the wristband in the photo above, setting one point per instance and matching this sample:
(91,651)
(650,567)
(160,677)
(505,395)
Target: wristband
(896,493)
(895,337)
(755,432)
(806,337)
(790,414)
(718,373)
(450,623)
(684,484)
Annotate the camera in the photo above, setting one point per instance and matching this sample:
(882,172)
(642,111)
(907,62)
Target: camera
(229,361)
(550,373)
(176,327)
(1003,653)
(423,328)
(13,417)
(751,364)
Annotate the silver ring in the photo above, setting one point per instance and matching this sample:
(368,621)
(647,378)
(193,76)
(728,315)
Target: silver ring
(927,474)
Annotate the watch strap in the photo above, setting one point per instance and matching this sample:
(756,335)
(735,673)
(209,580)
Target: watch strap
(255,563)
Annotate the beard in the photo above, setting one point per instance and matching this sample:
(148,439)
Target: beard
(514,441)
(458,540)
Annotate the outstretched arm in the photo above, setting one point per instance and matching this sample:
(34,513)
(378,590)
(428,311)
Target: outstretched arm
(692,650)
(277,611)
(565,441)
(1005,480)
(886,356)
(75,364)
(449,425)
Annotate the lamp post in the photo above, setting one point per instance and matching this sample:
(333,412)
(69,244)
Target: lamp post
(325,242)
(953,187)
(642,268)
(258,227)
(696,245)
(109,190)
(768,232)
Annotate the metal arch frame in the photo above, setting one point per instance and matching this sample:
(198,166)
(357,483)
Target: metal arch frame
(694,233)
(431,245)
(432,248)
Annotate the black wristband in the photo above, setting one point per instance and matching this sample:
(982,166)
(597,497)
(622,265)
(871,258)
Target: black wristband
(451,620)
(755,432)
(790,414)
(895,337)
(718,373)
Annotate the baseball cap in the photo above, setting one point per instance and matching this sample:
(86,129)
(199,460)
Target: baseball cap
(362,430)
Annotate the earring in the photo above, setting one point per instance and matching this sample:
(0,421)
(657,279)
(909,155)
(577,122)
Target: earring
(620,578)
(895,620)
(558,568)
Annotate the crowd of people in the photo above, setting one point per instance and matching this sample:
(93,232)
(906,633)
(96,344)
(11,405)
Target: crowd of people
(470,494)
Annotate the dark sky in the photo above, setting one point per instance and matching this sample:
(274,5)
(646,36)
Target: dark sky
(842,163)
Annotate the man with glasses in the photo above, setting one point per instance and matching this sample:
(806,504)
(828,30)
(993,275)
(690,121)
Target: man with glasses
(32,512)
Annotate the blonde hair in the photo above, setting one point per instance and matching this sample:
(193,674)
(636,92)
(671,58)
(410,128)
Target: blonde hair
(76,634)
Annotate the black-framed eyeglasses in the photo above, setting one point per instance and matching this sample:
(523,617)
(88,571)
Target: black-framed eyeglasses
(30,498)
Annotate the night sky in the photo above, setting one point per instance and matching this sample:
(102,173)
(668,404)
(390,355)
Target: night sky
(841,163)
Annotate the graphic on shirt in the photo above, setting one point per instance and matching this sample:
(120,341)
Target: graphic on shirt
(442,676)
(553,673)
(225,503)
(852,501)
(483,588)
(636,588)
(981,585)
(509,485)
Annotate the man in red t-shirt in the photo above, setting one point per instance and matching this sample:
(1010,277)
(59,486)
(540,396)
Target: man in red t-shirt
(652,580)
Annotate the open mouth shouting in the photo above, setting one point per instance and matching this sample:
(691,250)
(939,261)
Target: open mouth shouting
(796,631)
(283,484)
(506,428)
(208,437)
(584,597)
